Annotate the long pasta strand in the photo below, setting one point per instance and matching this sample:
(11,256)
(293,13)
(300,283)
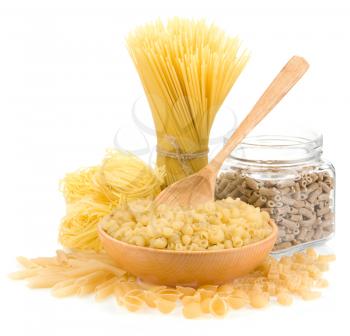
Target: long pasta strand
(187,69)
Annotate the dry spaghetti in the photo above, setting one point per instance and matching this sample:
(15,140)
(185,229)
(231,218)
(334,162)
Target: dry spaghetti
(187,69)
(94,192)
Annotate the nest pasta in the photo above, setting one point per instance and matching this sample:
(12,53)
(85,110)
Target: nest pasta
(187,69)
(94,192)
(83,273)
(215,225)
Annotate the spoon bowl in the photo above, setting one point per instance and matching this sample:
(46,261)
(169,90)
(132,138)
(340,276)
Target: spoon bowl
(187,268)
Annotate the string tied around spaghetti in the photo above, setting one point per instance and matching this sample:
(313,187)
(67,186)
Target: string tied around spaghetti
(178,154)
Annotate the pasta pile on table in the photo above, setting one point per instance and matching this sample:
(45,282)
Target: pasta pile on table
(82,273)
(94,192)
(214,225)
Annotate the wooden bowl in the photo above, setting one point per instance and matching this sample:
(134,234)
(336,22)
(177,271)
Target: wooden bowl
(187,268)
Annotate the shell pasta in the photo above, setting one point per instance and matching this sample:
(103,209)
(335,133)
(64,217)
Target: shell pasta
(84,273)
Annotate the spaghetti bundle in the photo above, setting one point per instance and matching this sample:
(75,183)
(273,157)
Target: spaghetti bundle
(187,69)
(94,192)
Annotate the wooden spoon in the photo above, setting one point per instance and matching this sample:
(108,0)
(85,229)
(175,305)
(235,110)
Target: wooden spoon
(200,187)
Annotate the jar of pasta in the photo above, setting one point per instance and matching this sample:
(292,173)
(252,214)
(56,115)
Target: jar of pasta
(287,177)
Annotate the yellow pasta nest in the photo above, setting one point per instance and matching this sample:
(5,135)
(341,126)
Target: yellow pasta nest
(215,225)
(94,192)
(81,273)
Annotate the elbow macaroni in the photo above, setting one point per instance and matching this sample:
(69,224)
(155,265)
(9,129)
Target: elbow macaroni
(215,225)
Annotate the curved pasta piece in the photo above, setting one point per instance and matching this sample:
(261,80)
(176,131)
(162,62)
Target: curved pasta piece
(259,300)
(206,293)
(218,306)
(150,299)
(186,291)
(165,306)
(209,287)
(236,302)
(192,310)
(132,303)
(284,299)
(136,292)
(190,299)
(225,289)
(205,305)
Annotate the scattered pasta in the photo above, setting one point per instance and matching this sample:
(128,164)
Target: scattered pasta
(215,225)
(84,273)
(94,192)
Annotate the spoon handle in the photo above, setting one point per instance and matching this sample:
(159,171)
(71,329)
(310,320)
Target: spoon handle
(283,82)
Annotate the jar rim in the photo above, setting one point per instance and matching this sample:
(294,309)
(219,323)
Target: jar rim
(294,141)
(279,148)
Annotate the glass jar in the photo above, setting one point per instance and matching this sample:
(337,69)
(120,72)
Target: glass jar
(287,177)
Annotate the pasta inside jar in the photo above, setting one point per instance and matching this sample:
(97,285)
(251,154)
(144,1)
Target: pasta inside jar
(287,178)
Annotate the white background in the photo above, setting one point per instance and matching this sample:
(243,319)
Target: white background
(67,85)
